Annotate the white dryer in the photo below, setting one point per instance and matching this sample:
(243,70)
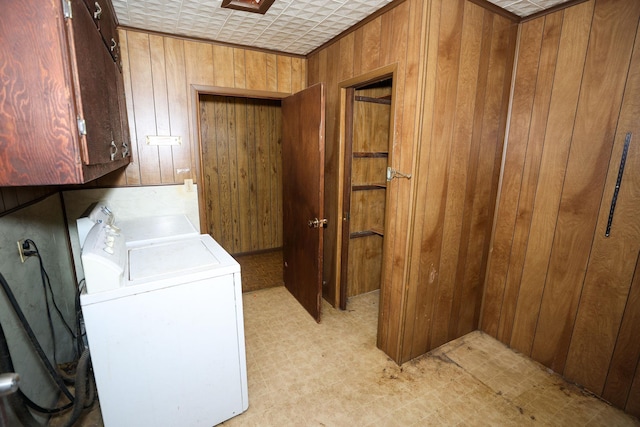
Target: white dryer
(165,329)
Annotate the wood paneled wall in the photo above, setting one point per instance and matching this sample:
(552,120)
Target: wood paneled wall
(392,38)
(159,71)
(556,289)
(470,53)
(15,197)
(242,171)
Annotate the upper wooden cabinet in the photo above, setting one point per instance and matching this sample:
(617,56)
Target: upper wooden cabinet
(62,115)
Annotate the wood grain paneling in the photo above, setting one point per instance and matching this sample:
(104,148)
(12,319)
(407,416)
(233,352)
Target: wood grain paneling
(15,197)
(612,36)
(612,260)
(159,71)
(620,388)
(393,38)
(465,107)
(241,153)
(564,100)
(364,275)
(557,289)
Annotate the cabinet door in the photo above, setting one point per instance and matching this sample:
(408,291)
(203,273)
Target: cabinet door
(117,111)
(95,76)
(105,21)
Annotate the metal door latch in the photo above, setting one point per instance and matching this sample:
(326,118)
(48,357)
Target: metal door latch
(316,223)
(392,173)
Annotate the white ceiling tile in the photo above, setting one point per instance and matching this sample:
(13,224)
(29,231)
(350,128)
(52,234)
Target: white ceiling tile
(293,26)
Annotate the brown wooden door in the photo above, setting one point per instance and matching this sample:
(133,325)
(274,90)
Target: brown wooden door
(303,195)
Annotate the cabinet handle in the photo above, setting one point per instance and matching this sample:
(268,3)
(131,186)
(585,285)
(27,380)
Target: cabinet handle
(614,199)
(114,150)
(114,44)
(125,149)
(98,13)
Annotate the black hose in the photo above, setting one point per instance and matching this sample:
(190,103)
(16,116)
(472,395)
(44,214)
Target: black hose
(82,384)
(15,401)
(34,341)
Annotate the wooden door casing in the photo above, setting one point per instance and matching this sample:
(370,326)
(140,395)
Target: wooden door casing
(303,195)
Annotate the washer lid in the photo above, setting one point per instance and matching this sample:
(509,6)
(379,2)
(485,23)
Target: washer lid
(149,229)
(169,263)
(170,258)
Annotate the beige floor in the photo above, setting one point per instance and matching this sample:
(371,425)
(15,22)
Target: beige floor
(331,374)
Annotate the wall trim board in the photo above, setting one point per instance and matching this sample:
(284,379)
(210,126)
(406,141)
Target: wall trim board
(209,41)
(498,10)
(551,10)
(355,27)
(196,149)
(518,19)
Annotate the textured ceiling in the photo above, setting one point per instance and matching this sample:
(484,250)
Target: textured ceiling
(524,8)
(293,26)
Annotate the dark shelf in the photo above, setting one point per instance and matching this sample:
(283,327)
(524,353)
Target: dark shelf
(364,187)
(366,154)
(383,100)
(366,233)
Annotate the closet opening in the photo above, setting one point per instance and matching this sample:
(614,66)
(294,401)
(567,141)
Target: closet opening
(241,194)
(367,150)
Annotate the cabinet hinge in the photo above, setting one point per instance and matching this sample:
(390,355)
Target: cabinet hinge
(66,8)
(82,127)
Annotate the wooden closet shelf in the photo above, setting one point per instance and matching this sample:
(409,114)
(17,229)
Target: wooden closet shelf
(364,154)
(382,100)
(364,187)
(366,233)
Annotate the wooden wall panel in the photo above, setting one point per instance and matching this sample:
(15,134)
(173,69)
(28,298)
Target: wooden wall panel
(564,100)
(364,275)
(556,289)
(241,152)
(433,177)
(614,29)
(352,55)
(488,131)
(159,72)
(462,132)
(612,261)
(619,388)
(16,197)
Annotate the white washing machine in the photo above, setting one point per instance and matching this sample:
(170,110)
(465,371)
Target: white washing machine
(165,329)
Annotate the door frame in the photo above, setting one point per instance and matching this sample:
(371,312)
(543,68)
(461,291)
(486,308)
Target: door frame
(196,149)
(345,125)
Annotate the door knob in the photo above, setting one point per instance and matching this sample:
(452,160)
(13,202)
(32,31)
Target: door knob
(316,223)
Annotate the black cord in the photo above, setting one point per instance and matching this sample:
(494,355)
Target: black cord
(46,281)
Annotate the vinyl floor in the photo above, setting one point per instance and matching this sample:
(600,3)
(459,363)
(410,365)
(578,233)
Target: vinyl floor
(302,373)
